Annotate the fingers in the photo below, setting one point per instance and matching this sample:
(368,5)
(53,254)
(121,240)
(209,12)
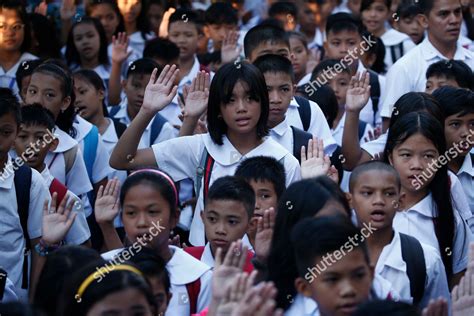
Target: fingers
(303,154)
(320,148)
(153,76)
(100,192)
(46,207)
(310,149)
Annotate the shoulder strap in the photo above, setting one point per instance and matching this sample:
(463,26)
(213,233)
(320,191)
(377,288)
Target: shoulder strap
(304,109)
(70,157)
(22,181)
(300,138)
(374,91)
(412,254)
(59,188)
(3,282)
(204,170)
(114,111)
(90,149)
(193,289)
(156,127)
(362,126)
(119,127)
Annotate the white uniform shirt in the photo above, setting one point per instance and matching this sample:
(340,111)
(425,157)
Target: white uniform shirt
(180,157)
(8,78)
(367,112)
(283,135)
(110,139)
(393,38)
(466,177)
(137,43)
(375,146)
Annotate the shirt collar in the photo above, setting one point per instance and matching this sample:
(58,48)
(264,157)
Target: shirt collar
(66,142)
(428,51)
(184,268)
(47,177)
(207,256)
(110,134)
(7,175)
(281,128)
(192,73)
(424,207)
(82,127)
(467,166)
(391,255)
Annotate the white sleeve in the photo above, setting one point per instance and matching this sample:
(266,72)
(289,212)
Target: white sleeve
(462,238)
(79,231)
(460,202)
(77,179)
(292,169)
(167,132)
(407,45)
(205,293)
(101,168)
(319,127)
(397,84)
(38,194)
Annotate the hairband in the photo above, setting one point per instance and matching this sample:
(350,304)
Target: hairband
(103,270)
(164,175)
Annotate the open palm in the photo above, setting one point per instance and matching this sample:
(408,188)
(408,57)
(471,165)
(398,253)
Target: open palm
(160,91)
(106,203)
(197,95)
(120,47)
(358,93)
(57,221)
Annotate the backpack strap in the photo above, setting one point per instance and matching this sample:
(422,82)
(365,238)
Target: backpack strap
(412,254)
(22,181)
(156,127)
(90,149)
(193,289)
(304,109)
(300,139)
(374,92)
(362,126)
(204,170)
(114,111)
(3,282)
(119,127)
(59,188)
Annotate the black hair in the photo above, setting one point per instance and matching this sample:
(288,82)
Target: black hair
(17,308)
(264,33)
(283,7)
(19,8)
(452,69)
(373,165)
(301,199)
(72,55)
(37,115)
(221,13)
(408,9)
(143,24)
(455,101)
(378,49)
(221,90)
(328,64)
(55,272)
(91,77)
(9,104)
(56,69)
(431,128)
(272,22)
(234,189)
(365,4)
(339,22)
(300,36)
(152,265)
(317,237)
(113,4)
(26,69)
(274,64)
(45,34)
(426,6)
(263,168)
(325,97)
(386,308)
(142,66)
(114,281)
(188,15)
(161,48)
(159,182)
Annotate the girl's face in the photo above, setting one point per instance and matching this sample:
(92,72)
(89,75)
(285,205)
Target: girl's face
(413,159)
(300,56)
(108,18)
(88,98)
(375,15)
(155,15)
(46,90)
(130,9)
(12,30)
(126,302)
(242,113)
(185,36)
(146,215)
(87,41)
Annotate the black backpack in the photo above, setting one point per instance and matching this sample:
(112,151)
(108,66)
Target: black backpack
(300,139)
(412,254)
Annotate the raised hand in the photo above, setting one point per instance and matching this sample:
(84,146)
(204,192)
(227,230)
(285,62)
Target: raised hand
(229,50)
(67,10)
(196,97)
(42,8)
(57,220)
(160,91)
(463,294)
(438,307)
(107,202)
(263,237)
(358,93)
(234,293)
(120,51)
(315,163)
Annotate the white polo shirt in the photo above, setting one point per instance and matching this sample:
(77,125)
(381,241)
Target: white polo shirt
(110,139)
(393,38)
(408,74)
(8,78)
(180,158)
(283,135)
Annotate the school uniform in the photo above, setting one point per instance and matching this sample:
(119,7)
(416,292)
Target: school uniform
(318,125)
(137,42)
(396,45)
(409,72)
(110,139)
(283,135)
(180,157)
(393,268)
(375,146)
(12,243)
(318,40)
(306,79)
(172,111)
(367,113)
(466,177)
(188,79)
(204,254)
(8,78)
(418,222)
(9,294)
(460,200)
(182,269)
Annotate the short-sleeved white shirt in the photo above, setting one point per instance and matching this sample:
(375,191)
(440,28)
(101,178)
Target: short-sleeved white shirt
(12,242)
(8,78)
(375,146)
(466,177)
(339,129)
(393,38)
(408,74)
(180,157)
(110,139)
(137,43)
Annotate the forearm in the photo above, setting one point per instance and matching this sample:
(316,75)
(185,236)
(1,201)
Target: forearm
(350,141)
(189,125)
(65,27)
(37,263)
(111,238)
(114,84)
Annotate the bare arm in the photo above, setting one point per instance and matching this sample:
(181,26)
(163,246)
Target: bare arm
(119,55)
(67,11)
(106,209)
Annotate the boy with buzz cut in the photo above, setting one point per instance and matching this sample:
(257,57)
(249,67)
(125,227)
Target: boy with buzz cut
(228,208)
(267,178)
(454,73)
(415,270)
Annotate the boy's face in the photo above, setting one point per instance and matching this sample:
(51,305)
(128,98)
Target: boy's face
(34,142)
(217,32)
(435,82)
(340,84)
(185,36)
(375,198)
(281,90)
(300,56)
(134,88)
(343,43)
(342,286)
(412,27)
(444,21)
(24,87)
(307,17)
(8,132)
(277,48)
(460,130)
(225,221)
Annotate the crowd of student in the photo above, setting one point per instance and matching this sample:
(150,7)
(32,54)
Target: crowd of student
(237,157)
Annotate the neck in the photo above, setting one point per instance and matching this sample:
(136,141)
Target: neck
(412,197)
(274,124)
(455,164)
(164,251)
(41,168)
(130,27)
(90,64)
(101,122)
(380,32)
(244,143)
(3,162)
(185,66)
(448,50)
(8,59)
(131,113)
(299,76)
(376,242)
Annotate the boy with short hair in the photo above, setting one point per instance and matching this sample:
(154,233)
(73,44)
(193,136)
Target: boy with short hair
(221,19)
(286,12)
(266,39)
(415,270)
(454,73)
(138,76)
(162,51)
(406,21)
(228,208)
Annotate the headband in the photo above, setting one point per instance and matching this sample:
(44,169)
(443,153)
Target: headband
(164,175)
(103,270)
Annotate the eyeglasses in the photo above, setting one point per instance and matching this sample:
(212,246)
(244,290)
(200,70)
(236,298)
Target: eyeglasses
(14,27)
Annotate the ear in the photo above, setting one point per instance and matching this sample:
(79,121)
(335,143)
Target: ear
(66,103)
(423,20)
(303,287)
(101,95)
(202,215)
(206,32)
(349,199)
(325,45)
(390,160)
(168,299)
(53,145)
